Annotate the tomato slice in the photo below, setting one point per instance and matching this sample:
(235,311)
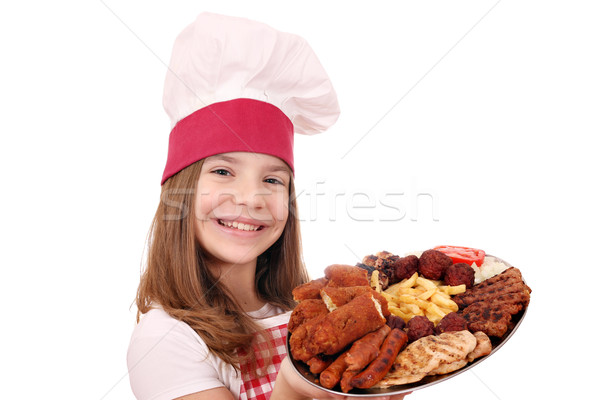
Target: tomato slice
(460,254)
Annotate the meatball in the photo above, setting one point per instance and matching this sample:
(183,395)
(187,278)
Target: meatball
(450,323)
(433,264)
(394,321)
(418,327)
(459,273)
(405,267)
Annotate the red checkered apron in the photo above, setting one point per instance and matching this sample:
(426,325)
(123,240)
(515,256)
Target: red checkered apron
(259,388)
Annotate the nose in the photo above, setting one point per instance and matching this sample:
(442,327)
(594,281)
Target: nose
(251,194)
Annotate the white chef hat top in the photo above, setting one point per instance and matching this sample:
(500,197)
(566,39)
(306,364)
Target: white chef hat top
(219,58)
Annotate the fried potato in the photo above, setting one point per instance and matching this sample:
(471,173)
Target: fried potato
(399,313)
(390,298)
(421,296)
(410,282)
(427,294)
(444,302)
(429,284)
(412,309)
(452,290)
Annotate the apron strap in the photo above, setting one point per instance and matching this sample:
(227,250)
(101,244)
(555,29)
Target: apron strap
(255,387)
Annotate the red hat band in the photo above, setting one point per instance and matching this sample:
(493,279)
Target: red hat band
(235,125)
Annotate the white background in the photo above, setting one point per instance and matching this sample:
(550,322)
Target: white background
(466,122)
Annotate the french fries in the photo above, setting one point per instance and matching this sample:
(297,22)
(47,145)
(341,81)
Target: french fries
(420,296)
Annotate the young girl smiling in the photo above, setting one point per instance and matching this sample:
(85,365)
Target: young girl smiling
(224,246)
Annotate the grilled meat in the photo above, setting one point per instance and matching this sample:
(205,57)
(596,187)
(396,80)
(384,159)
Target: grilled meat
(489,306)
(509,281)
(392,267)
(483,347)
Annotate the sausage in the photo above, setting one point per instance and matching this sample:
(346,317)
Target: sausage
(332,374)
(318,363)
(346,382)
(365,349)
(392,345)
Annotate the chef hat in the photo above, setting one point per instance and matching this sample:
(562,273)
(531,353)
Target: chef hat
(239,85)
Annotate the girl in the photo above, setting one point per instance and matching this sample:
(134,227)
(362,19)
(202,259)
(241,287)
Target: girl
(224,254)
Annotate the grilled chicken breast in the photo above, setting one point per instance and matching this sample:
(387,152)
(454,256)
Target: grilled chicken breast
(428,354)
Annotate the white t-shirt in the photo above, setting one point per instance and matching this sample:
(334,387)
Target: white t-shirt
(168,359)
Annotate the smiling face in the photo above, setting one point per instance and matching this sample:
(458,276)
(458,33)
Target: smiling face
(241,206)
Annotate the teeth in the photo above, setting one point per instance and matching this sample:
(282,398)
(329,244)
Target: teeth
(239,225)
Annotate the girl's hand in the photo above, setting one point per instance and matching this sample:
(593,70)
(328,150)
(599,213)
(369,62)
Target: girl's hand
(290,385)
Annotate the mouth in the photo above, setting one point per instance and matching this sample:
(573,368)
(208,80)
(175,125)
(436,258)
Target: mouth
(240,226)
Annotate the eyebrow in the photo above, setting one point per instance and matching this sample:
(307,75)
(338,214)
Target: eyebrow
(233,160)
(279,168)
(223,158)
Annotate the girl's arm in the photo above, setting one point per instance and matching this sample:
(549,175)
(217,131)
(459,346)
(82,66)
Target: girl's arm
(290,386)
(211,394)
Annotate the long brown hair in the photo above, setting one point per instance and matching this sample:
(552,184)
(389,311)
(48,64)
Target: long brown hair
(177,277)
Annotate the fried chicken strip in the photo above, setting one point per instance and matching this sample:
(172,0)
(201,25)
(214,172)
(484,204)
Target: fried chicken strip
(306,310)
(309,290)
(331,333)
(340,275)
(335,297)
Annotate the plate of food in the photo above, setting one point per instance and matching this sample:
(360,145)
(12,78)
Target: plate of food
(392,324)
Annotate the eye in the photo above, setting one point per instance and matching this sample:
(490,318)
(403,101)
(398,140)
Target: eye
(274,181)
(221,171)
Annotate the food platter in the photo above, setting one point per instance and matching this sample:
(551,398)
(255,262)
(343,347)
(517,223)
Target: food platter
(303,370)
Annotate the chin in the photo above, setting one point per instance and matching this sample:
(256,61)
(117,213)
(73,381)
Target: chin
(239,257)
